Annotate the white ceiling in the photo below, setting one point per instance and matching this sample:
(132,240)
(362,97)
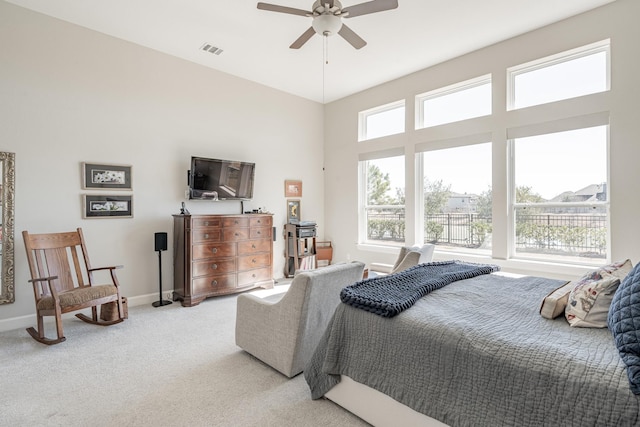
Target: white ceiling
(255,43)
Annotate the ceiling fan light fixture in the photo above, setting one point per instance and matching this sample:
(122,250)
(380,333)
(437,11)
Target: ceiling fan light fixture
(326,24)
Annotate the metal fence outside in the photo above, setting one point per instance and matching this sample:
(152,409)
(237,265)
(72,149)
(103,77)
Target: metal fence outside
(557,233)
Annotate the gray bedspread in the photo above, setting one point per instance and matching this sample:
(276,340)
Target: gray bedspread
(477,353)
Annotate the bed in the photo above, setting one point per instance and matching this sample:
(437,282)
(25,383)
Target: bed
(473,353)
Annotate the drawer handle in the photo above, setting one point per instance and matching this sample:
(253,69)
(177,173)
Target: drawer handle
(214,282)
(253,246)
(206,223)
(206,236)
(236,234)
(254,261)
(214,266)
(253,275)
(236,221)
(214,250)
(259,221)
(259,233)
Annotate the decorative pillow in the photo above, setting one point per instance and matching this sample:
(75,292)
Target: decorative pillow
(403,252)
(409,260)
(619,269)
(590,298)
(425,251)
(555,303)
(624,323)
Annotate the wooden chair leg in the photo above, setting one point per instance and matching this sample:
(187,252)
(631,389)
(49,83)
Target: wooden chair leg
(39,334)
(59,325)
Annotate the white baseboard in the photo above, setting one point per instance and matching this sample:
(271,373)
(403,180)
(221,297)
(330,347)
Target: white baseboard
(30,320)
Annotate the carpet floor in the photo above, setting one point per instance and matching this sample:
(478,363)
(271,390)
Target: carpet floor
(165,366)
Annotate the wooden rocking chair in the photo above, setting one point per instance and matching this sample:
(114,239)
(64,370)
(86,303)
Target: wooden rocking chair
(58,277)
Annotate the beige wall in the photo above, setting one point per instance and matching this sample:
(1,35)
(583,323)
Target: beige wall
(69,95)
(617,21)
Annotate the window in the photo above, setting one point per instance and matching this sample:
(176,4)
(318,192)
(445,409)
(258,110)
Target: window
(461,101)
(579,72)
(382,207)
(382,121)
(457,198)
(560,200)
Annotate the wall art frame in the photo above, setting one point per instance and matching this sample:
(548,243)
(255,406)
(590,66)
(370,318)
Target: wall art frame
(293,211)
(107,206)
(96,176)
(292,188)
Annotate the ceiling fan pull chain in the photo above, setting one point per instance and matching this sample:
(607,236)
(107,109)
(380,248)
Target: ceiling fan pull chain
(326,48)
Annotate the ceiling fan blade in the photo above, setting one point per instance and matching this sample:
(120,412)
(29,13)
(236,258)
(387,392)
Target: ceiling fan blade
(282,9)
(303,39)
(353,39)
(370,7)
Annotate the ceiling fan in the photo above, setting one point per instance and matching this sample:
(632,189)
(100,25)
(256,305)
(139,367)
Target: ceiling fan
(327,18)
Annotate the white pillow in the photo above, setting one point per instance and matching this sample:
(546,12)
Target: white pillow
(425,251)
(555,303)
(409,260)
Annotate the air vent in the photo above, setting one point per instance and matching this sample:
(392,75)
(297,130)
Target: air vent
(208,47)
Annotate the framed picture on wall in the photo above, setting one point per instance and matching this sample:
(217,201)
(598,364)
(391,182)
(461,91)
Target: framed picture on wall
(111,177)
(107,206)
(293,211)
(292,188)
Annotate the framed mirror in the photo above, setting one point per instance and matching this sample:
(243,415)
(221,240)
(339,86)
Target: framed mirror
(7,195)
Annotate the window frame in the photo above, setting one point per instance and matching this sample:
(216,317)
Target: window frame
(478,139)
(558,58)
(546,129)
(363,206)
(448,90)
(364,115)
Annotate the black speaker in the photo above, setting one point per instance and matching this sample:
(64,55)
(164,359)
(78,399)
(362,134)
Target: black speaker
(161,245)
(274,234)
(161,241)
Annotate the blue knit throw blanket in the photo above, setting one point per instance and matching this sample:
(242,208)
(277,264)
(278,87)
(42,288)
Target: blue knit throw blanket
(389,295)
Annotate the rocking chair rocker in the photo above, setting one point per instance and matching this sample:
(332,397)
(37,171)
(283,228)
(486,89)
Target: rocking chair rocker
(59,276)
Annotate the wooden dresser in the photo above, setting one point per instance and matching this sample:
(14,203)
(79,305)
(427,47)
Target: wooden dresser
(220,254)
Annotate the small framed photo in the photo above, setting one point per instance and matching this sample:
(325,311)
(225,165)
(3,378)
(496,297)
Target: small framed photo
(292,188)
(293,211)
(112,206)
(106,177)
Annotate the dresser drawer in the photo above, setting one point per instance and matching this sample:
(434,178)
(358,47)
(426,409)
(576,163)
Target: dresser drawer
(206,235)
(260,221)
(260,233)
(235,234)
(249,247)
(235,222)
(252,276)
(209,284)
(213,250)
(249,262)
(206,222)
(215,266)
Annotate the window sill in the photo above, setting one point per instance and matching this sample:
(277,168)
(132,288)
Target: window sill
(556,270)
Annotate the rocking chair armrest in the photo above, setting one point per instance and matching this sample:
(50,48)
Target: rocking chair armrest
(113,267)
(43,279)
(52,289)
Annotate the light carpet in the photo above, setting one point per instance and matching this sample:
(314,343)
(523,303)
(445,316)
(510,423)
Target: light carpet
(165,366)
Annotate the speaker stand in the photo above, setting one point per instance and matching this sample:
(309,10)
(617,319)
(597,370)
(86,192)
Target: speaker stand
(160,302)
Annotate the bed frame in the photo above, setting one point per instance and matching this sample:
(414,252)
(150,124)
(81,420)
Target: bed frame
(375,407)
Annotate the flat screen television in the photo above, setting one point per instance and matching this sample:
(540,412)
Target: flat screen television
(216,179)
